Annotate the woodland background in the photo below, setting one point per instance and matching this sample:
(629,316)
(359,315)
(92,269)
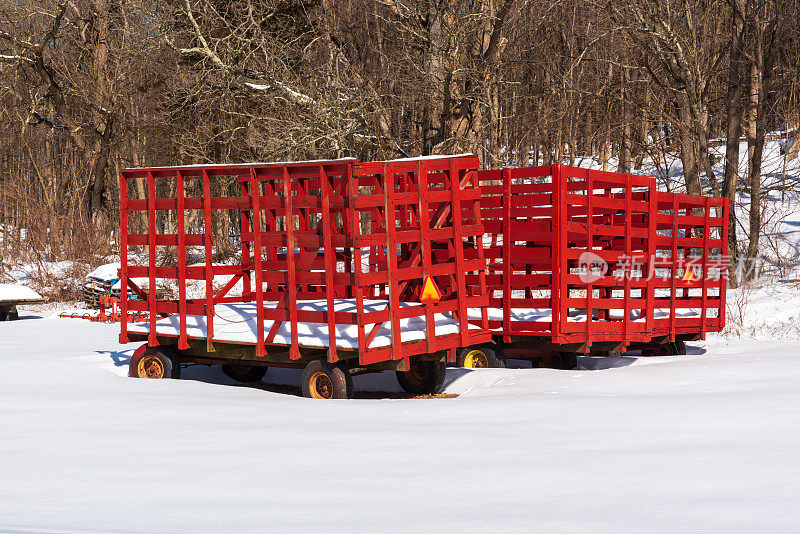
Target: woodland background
(88,87)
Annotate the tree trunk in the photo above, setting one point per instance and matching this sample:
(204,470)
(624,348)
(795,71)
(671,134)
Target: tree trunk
(625,144)
(756,150)
(733,134)
(687,147)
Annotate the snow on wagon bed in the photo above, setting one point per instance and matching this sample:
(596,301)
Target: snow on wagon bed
(18,294)
(236,323)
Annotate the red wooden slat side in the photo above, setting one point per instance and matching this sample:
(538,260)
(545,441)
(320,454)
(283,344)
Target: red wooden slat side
(285,259)
(425,247)
(294,351)
(208,228)
(330,261)
(183,342)
(390,214)
(123,255)
(151,251)
(255,201)
(507,268)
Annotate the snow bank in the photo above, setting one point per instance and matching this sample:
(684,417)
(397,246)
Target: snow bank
(14,292)
(106,273)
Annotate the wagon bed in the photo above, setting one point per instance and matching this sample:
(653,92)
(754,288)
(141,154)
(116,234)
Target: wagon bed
(649,266)
(13,295)
(236,324)
(342,263)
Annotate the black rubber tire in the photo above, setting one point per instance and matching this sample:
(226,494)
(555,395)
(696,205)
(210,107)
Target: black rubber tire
(425,377)
(325,380)
(567,360)
(176,365)
(670,348)
(154,362)
(12,314)
(492,356)
(3,315)
(245,373)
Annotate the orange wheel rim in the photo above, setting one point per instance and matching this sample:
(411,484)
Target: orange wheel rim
(321,386)
(150,367)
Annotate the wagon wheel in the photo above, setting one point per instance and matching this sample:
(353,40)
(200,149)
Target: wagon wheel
(480,356)
(567,360)
(244,372)
(561,360)
(425,377)
(154,362)
(324,380)
(671,348)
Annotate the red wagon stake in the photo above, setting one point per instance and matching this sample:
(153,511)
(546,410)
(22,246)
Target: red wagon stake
(323,273)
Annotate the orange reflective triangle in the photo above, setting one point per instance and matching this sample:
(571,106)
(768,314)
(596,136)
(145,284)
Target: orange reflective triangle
(688,276)
(430,293)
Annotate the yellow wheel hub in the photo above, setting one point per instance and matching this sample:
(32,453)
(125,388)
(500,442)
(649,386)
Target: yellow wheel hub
(150,367)
(321,386)
(476,359)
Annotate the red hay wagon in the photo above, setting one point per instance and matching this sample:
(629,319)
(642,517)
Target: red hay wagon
(584,261)
(337,267)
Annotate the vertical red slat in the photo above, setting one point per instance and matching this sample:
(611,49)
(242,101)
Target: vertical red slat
(209,271)
(390,215)
(651,257)
(558,263)
(471,177)
(704,266)
(330,260)
(458,242)
(723,276)
(626,317)
(589,247)
(673,268)
(123,257)
(152,339)
(425,249)
(244,228)
(269,189)
(183,343)
(255,204)
(294,350)
(355,231)
(505,178)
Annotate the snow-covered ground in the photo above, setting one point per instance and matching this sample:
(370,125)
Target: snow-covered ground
(700,443)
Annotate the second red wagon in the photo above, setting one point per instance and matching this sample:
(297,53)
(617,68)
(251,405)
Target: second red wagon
(586,261)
